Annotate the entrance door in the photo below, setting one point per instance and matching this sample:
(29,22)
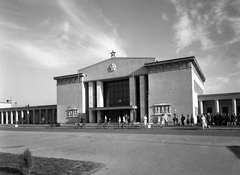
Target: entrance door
(225,110)
(209,110)
(114,114)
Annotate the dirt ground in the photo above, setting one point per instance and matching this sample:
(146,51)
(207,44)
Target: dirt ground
(131,153)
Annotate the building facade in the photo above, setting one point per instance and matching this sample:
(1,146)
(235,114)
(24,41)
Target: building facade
(131,87)
(225,103)
(29,115)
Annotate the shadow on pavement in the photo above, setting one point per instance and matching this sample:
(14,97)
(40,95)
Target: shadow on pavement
(235,150)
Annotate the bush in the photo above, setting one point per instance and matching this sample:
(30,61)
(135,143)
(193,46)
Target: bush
(26,162)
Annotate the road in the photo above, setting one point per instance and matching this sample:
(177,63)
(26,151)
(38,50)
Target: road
(145,151)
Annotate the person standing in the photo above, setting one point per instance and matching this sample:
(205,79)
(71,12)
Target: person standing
(182,119)
(124,121)
(119,120)
(188,120)
(192,120)
(165,119)
(105,119)
(162,123)
(145,120)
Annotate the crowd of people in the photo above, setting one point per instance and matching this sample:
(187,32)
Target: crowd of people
(208,119)
(220,119)
(189,120)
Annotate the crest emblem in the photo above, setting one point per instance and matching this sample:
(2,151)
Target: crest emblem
(112,67)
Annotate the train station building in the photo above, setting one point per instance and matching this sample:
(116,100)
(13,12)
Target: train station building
(133,87)
(128,86)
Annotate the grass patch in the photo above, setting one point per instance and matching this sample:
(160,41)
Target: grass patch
(9,165)
(235,150)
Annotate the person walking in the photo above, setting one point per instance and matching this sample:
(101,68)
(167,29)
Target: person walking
(204,122)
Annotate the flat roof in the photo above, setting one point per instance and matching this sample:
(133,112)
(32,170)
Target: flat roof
(176,60)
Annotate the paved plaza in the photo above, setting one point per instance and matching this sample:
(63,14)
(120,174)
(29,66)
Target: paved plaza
(135,152)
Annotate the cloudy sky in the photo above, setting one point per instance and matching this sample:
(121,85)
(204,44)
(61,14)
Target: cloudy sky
(42,39)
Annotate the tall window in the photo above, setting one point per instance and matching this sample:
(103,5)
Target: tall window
(116,93)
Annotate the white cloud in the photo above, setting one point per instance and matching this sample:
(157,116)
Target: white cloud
(10,25)
(196,22)
(191,27)
(214,85)
(94,37)
(165,17)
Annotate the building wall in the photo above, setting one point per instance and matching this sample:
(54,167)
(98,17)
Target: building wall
(67,86)
(5,105)
(124,68)
(67,98)
(197,89)
(174,87)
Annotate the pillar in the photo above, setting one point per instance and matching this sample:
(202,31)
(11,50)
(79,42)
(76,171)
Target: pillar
(46,118)
(16,116)
(98,115)
(53,115)
(2,117)
(34,116)
(6,117)
(132,91)
(22,117)
(27,112)
(11,114)
(234,106)
(91,94)
(40,116)
(217,106)
(201,107)
(143,97)
(82,96)
(100,94)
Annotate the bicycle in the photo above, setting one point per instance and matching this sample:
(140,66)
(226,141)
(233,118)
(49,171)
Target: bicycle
(117,125)
(80,125)
(50,126)
(104,125)
(136,125)
(123,125)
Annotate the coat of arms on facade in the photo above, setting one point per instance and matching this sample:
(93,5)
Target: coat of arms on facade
(112,67)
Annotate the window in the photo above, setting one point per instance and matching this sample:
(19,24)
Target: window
(116,93)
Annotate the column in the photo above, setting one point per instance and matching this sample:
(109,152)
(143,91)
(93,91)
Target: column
(27,112)
(2,117)
(99,94)
(46,118)
(91,94)
(82,95)
(201,107)
(34,116)
(11,113)
(143,97)
(132,91)
(40,116)
(217,106)
(16,117)
(53,115)
(22,117)
(6,117)
(98,115)
(234,106)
